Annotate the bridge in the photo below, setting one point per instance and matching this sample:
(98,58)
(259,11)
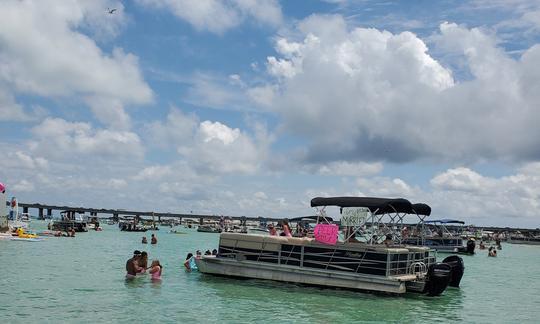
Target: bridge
(116,213)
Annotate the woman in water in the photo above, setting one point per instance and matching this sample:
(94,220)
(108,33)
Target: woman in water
(187,263)
(155,270)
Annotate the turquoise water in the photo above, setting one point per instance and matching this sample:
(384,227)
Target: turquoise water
(81,279)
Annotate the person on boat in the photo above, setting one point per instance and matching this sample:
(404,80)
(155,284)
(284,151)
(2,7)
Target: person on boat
(286,228)
(153,240)
(214,252)
(272,230)
(198,254)
(132,265)
(388,240)
(404,232)
(207,252)
(155,270)
(144,240)
(143,262)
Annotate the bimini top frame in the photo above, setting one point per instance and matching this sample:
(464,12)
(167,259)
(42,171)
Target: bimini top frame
(395,209)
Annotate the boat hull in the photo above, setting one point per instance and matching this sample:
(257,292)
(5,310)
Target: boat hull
(257,270)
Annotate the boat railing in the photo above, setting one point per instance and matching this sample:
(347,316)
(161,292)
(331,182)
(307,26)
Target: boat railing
(369,261)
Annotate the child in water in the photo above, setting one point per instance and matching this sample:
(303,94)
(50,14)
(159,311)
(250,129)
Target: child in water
(155,270)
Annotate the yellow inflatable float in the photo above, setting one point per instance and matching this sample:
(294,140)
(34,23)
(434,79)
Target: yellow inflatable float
(20,233)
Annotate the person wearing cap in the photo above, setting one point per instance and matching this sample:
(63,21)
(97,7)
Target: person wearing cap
(132,265)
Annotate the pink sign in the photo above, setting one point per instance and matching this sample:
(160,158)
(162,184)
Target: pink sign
(326,233)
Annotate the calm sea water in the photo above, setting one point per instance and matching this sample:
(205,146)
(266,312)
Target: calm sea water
(82,280)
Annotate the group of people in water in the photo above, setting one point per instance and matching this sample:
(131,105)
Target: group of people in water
(70,232)
(492,251)
(153,239)
(137,265)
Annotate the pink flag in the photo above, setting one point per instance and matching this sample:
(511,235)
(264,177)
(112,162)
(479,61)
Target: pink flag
(326,233)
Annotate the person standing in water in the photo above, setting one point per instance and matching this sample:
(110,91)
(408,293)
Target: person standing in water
(155,270)
(187,263)
(153,240)
(132,265)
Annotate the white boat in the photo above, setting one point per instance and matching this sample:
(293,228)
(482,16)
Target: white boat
(361,265)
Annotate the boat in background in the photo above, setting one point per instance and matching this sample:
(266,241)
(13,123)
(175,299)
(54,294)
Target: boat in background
(209,229)
(70,219)
(436,235)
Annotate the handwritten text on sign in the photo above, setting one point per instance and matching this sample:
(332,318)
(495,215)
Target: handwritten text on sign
(355,216)
(326,233)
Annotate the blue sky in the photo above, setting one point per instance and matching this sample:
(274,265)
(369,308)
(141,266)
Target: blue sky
(248,107)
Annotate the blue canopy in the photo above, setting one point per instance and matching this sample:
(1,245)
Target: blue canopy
(445,221)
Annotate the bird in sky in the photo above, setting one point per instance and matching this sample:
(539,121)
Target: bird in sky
(111,11)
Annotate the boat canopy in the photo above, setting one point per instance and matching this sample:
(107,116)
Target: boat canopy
(375,205)
(445,221)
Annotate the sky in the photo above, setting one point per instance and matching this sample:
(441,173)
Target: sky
(252,107)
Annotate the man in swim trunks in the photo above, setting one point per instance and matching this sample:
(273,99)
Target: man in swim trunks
(132,266)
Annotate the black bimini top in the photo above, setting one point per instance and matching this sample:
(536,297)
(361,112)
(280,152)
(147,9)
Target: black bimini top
(375,205)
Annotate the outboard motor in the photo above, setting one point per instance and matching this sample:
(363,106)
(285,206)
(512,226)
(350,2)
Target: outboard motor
(471,245)
(438,278)
(458,268)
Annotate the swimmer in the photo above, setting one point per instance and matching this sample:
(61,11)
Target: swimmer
(144,241)
(187,263)
(153,240)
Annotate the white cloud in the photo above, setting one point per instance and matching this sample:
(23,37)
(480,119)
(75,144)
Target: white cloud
(23,186)
(222,149)
(365,94)
(343,168)
(211,145)
(210,131)
(219,16)
(155,172)
(59,138)
(509,199)
(47,55)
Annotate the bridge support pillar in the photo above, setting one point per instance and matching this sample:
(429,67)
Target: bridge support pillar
(25,210)
(201,221)
(115,217)
(49,213)
(40,214)
(159,219)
